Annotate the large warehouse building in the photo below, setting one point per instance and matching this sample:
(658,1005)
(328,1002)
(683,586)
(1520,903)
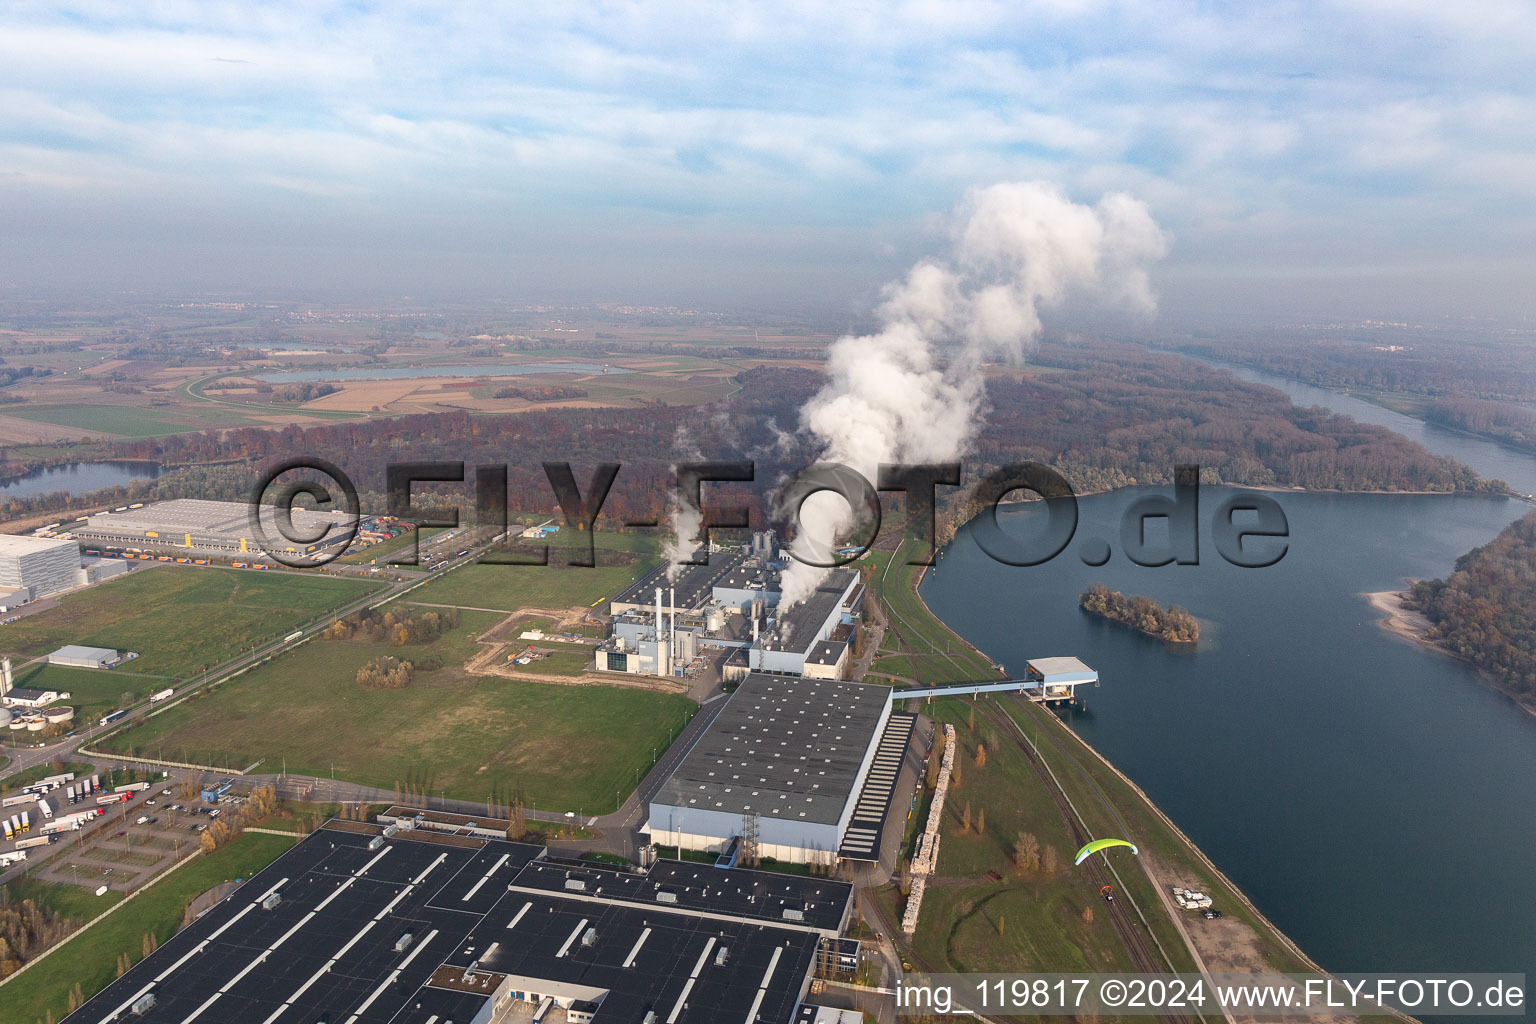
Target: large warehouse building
(212,527)
(39,565)
(793,757)
(360,924)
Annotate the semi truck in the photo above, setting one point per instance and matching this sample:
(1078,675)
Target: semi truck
(131,787)
(107,799)
(17,800)
(10,833)
(165,694)
(27,844)
(44,809)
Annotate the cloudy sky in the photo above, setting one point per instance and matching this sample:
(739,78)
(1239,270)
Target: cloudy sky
(1359,157)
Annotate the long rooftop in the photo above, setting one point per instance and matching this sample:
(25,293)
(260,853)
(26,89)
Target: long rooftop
(782,747)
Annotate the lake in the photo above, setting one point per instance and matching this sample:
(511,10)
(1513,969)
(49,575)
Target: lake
(78,478)
(413,372)
(1373,797)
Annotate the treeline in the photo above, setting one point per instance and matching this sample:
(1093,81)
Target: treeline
(1172,624)
(385,673)
(397,626)
(1509,424)
(1395,361)
(305,392)
(543,392)
(1118,415)
(1485,610)
(27,929)
(1126,415)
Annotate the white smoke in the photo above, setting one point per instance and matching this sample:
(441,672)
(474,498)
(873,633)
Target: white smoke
(913,392)
(686,520)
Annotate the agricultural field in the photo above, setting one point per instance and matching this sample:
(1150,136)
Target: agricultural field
(87,958)
(118,420)
(179,619)
(566,747)
(510,588)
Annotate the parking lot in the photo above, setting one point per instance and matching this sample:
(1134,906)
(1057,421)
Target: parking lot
(136,840)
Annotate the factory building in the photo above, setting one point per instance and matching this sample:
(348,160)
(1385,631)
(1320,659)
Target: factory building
(366,924)
(660,625)
(211,527)
(787,757)
(794,633)
(42,566)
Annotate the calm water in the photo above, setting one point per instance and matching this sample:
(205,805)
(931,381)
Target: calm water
(78,478)
(412,372)
(1374,798)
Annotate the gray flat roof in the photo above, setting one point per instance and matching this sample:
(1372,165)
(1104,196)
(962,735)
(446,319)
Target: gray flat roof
(77,651)
(331,946)
(783,747)
(827,652)
(200,516)
(11,544)
(694,583)
(799,625)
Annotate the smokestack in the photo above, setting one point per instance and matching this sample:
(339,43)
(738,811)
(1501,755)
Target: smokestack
(5,677)
(672,619)
(662,666)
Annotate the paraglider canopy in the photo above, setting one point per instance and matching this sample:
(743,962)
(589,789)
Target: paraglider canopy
(1100,844)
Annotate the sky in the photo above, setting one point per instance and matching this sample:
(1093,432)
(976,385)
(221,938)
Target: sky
(1349,157)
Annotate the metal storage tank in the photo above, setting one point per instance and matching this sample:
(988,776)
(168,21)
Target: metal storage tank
(714,620)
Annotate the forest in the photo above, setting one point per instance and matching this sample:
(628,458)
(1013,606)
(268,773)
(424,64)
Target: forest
(1508,424)
(1435,364)
(1485,610)
(1172,624)
(1106,415)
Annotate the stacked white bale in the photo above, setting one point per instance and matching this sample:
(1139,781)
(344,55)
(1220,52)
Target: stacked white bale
(925,856)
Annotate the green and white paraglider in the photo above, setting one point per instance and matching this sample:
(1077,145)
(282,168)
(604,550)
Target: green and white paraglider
(1100,844)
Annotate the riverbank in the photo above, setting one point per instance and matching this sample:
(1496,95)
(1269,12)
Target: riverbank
(1245,940)
(1415,626)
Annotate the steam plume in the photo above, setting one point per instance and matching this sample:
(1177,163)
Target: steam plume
(913,391)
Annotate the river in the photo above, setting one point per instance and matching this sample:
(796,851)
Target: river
(77,478)
(1373,797)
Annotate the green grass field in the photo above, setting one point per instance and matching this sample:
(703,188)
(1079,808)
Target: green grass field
(511,587)
(88,957)
(121,420)
(178,619)
(92,692)
(564,747)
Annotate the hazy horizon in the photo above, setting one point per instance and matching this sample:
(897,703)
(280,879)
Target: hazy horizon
(1354,160)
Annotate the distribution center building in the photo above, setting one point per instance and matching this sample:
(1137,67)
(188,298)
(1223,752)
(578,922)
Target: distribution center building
(41,565)
(789,755)
(362,924)
(214,527)
(77,656)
